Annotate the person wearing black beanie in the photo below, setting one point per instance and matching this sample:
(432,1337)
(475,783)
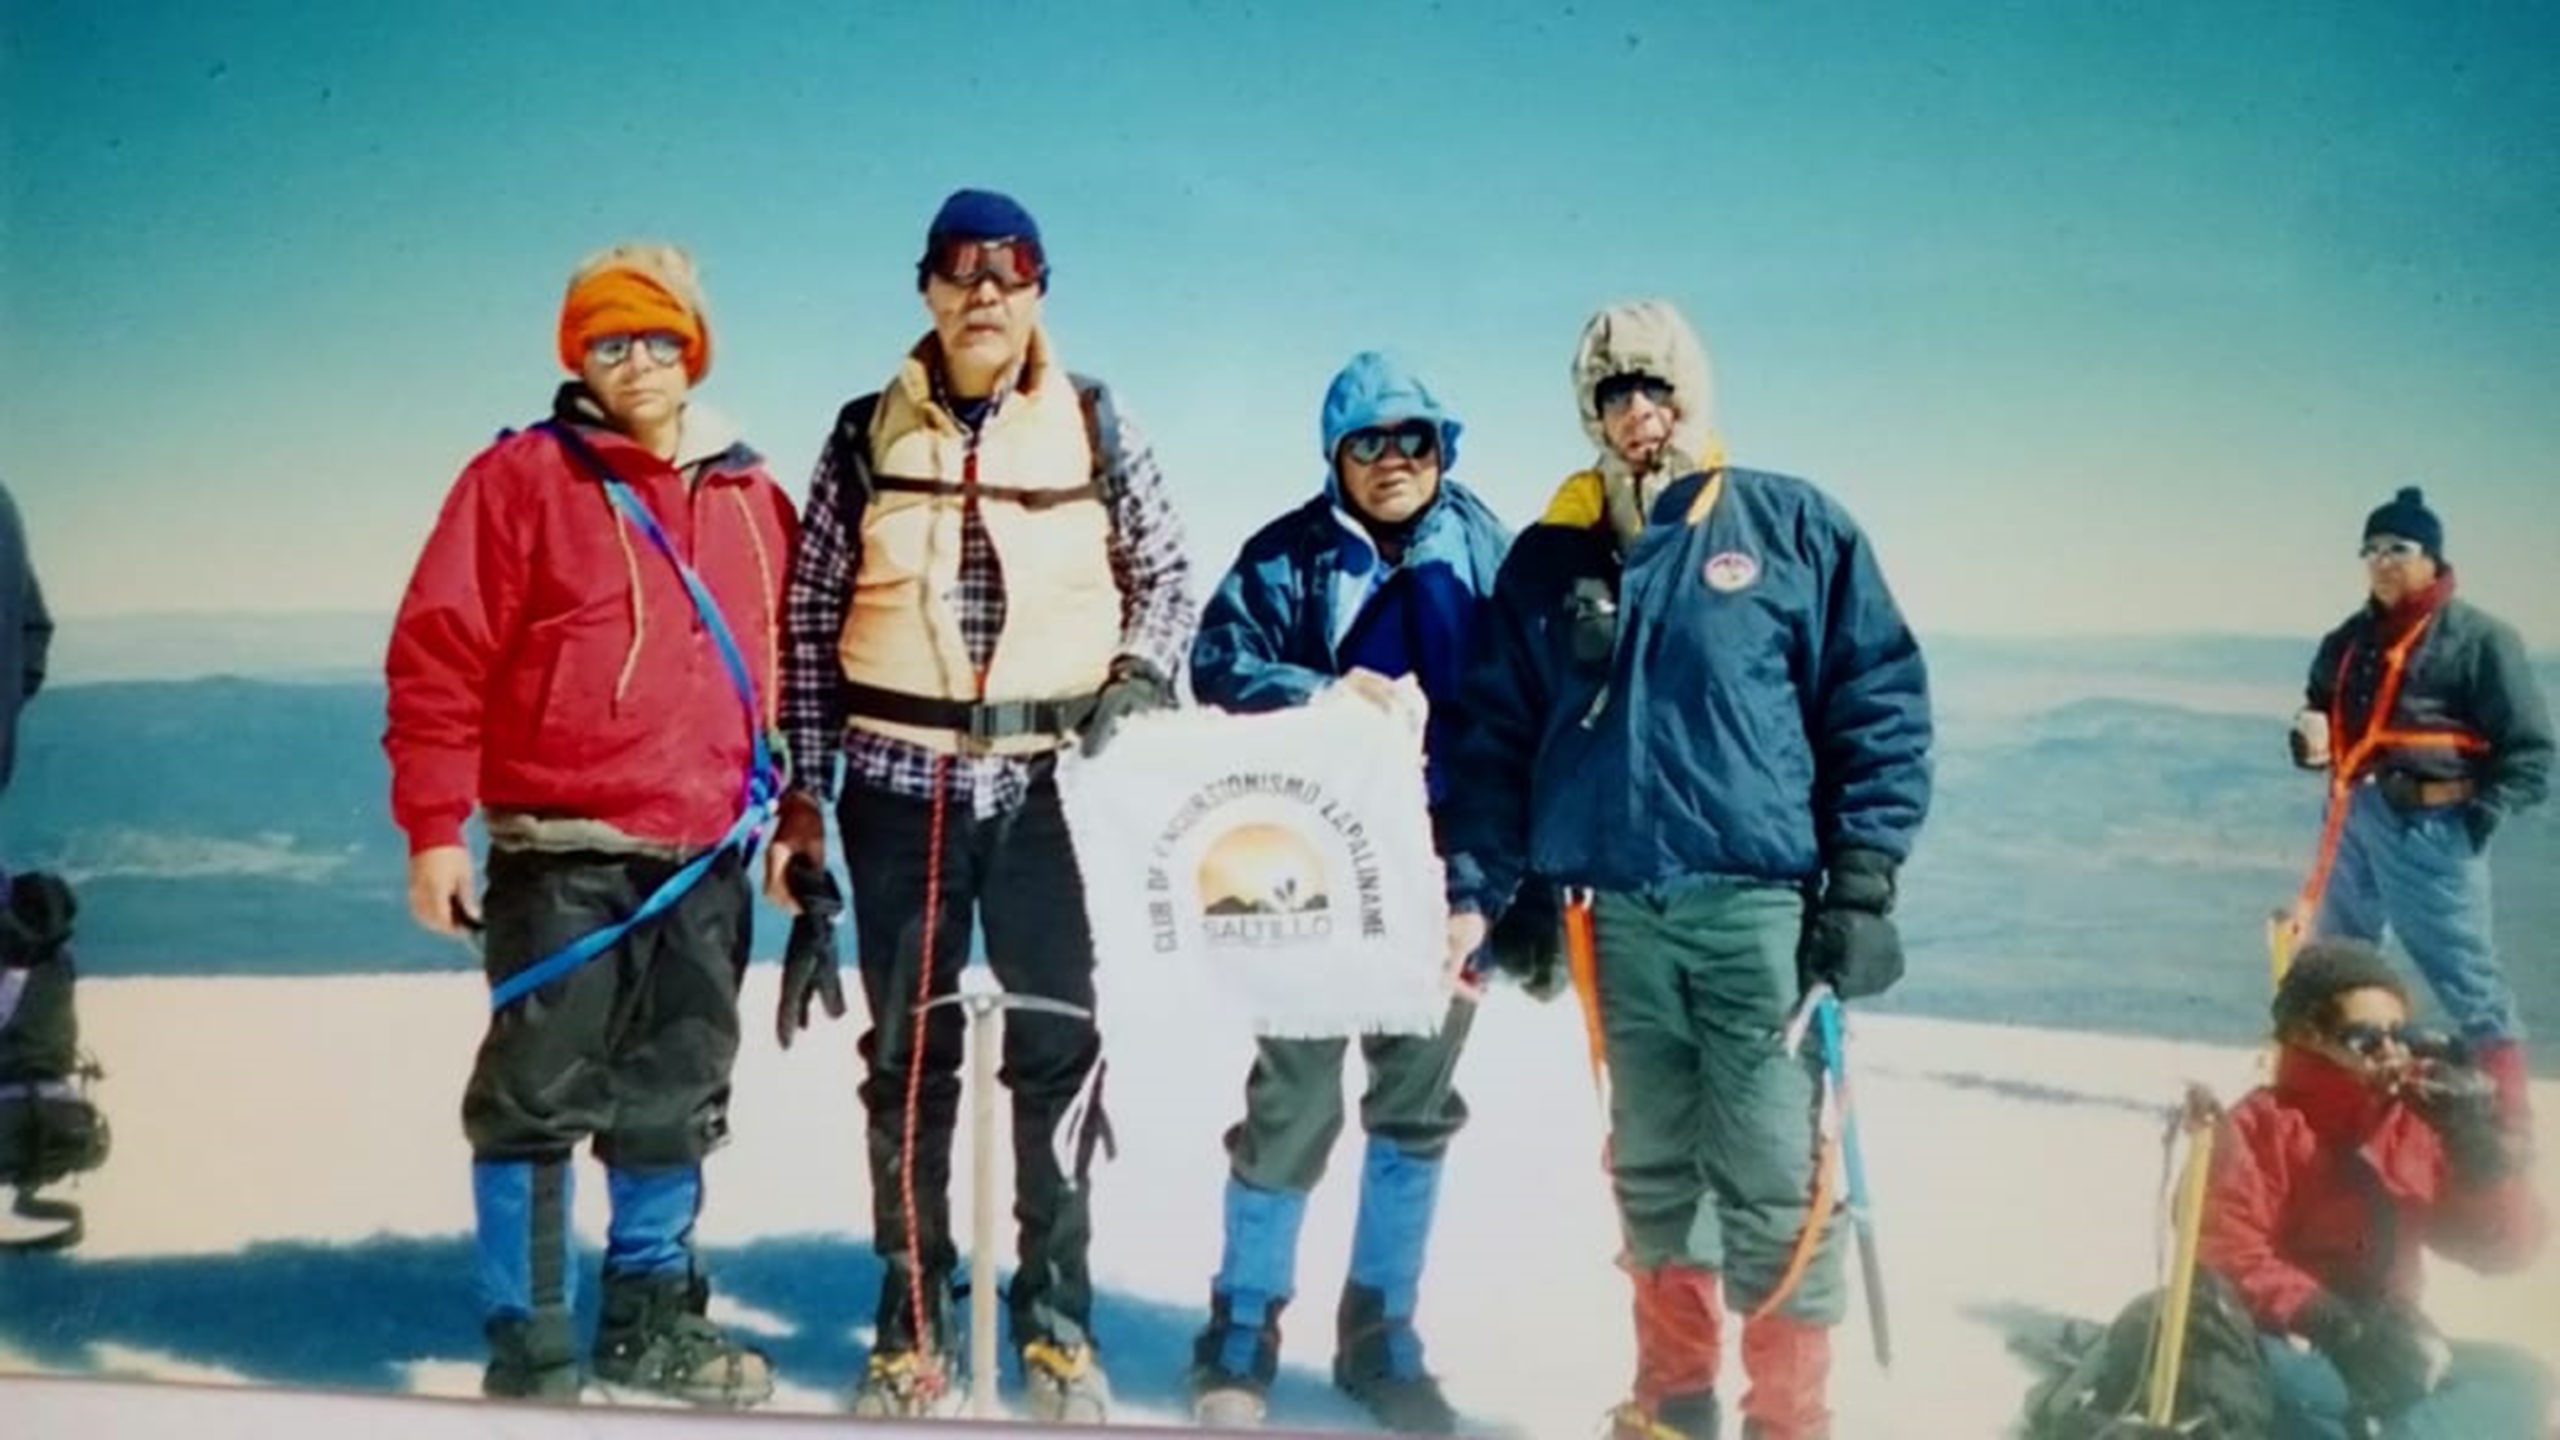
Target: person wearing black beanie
(2424,711)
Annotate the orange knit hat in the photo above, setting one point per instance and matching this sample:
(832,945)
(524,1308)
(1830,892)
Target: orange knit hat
(624,300)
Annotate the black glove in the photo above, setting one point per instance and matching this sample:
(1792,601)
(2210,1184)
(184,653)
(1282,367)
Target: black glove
(2388,1356)
(2460,1103)
(1527,943)
(2479,821)
(1592,618)
(1849,942)
(810,970)
(1134,688)
(36,923)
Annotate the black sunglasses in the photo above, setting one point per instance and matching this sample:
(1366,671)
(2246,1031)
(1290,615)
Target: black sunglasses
(2367,1039)
(1614,394)
(1414,440)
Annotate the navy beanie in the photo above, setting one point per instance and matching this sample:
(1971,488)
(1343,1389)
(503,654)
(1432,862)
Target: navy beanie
(980,215)
(2408,517)
(2324,970)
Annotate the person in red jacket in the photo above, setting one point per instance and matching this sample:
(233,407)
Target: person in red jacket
(551,667)
(2367,1150)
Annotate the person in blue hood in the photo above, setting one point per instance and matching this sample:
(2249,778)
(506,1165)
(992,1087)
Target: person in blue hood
(1373,585)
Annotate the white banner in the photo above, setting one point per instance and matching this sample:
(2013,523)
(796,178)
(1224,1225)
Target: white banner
(1287,854)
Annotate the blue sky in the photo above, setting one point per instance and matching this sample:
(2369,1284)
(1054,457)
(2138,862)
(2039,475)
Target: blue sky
(2100,317)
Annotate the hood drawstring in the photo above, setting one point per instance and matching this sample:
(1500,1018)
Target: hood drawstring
(771,699)
(631,587)
(764,599)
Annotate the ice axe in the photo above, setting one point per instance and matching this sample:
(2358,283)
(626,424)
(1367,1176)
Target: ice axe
(981,997)
(1819,1010)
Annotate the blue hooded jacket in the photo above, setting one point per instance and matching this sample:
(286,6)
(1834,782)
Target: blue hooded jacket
(1310,597)
(1763,707)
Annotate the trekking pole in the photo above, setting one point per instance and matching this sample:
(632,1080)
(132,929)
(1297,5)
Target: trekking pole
(2283,933)
(2199,1117)
(983,999)
(1862,1220)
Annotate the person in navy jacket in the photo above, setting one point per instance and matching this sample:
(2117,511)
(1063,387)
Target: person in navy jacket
(1697,706)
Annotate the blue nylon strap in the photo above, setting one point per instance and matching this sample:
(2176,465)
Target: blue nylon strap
(763,790)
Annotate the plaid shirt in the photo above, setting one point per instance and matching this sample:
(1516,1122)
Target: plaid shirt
(1157,616)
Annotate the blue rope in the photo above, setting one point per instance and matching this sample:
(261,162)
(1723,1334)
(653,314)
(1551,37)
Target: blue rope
(763,789)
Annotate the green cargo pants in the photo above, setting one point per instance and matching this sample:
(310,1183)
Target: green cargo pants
(1712,1127)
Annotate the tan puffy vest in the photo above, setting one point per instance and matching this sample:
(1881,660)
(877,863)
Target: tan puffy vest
(1051,530)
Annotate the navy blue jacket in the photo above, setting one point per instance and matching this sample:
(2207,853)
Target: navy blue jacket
(1764,707)
(1310,598)
(2469,673)
(26,632)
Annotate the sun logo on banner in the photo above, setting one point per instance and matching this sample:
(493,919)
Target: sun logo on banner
(1261,884)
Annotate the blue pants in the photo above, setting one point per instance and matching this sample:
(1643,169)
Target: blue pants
(2491,1393)
(2418,876)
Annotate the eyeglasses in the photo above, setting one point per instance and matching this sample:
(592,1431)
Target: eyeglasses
(1014,264)
(2386,547)
(2368,1039)
(1617,392)
(1414,440)
(663,347)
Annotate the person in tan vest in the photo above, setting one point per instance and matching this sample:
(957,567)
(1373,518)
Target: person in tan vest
(990,570)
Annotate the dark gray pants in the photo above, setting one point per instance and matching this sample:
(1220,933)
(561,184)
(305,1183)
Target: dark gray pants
(1293,1101)
(635,1047)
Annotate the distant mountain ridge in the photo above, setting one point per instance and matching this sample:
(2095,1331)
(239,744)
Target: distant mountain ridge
(2097,856)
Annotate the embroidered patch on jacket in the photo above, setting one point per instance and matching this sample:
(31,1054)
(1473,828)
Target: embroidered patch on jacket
(1731,571)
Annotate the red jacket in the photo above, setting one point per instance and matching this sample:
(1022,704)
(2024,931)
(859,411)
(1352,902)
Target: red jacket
(2321,1184)
(547,658)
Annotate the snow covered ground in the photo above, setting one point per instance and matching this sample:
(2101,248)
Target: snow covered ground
(287,1205)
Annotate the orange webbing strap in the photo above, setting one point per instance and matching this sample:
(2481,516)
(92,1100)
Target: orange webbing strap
(1817,1216)
(2347,768)
(1582,962)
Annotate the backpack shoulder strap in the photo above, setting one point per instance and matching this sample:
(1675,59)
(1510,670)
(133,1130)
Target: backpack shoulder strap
(852,444)
(1102,437)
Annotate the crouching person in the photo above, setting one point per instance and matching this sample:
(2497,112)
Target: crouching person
(2361,1155)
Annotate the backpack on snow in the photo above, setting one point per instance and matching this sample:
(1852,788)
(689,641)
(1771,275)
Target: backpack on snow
(2100,1379)
(50,1129)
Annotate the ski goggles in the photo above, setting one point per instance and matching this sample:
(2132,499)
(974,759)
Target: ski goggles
(1616,393)
(1014,264)
(2390,547)
(663,347)
(1414,440)
(2368,1040)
